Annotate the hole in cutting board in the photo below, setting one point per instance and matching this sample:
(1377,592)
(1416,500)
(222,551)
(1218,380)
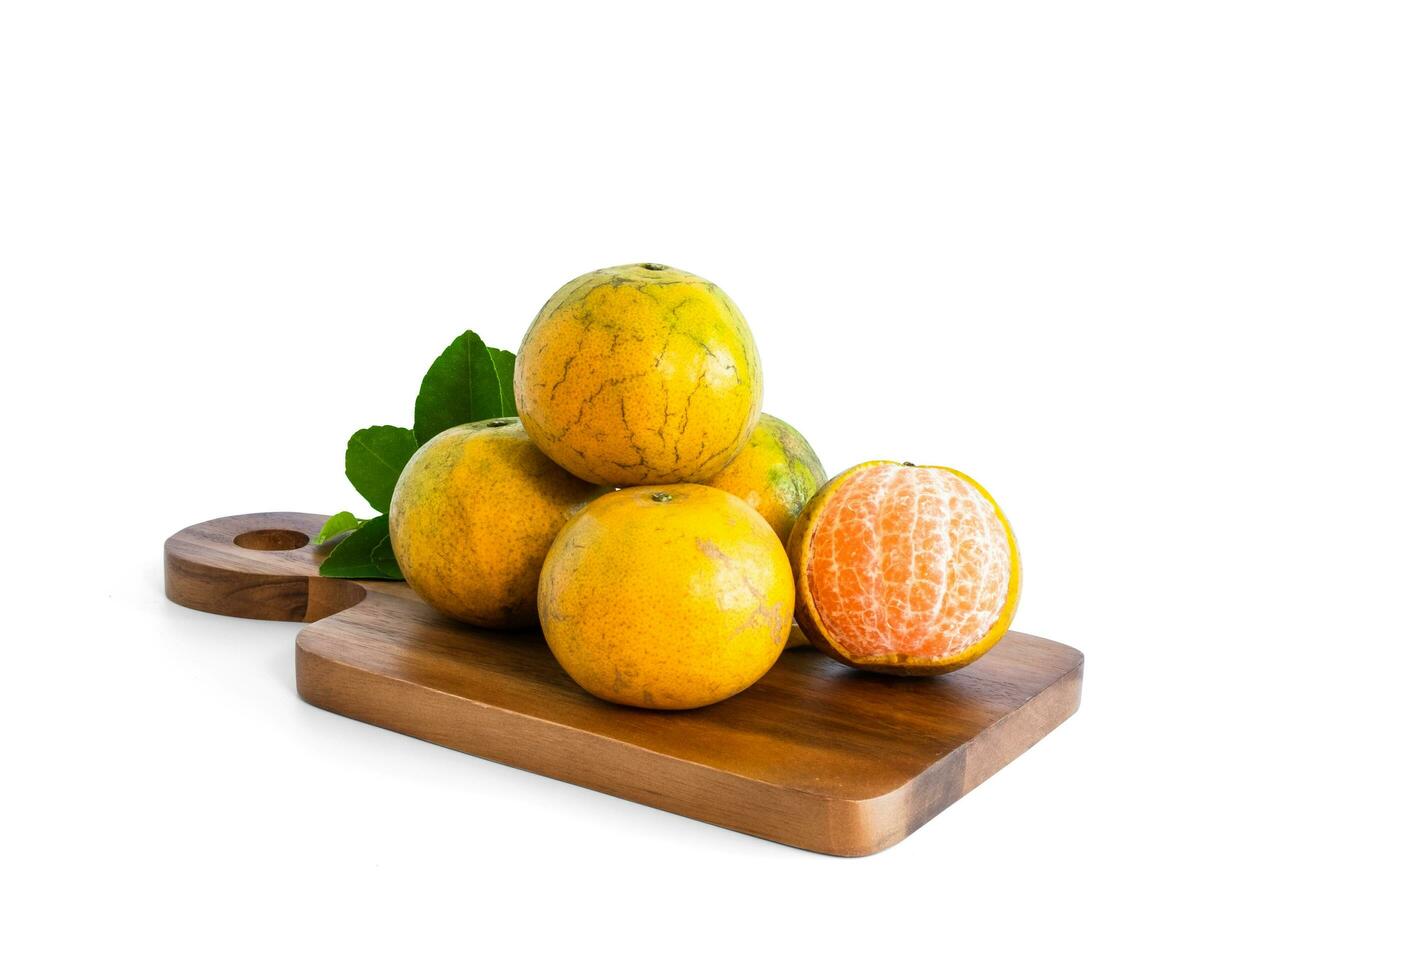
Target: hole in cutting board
(271,539)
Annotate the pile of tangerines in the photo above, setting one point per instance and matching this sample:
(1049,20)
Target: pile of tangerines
(664,531)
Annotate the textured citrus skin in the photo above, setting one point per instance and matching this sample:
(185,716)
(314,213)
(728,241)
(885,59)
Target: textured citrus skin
(776,473)
(472,517)
(900,568)
(672,596)
(639,374)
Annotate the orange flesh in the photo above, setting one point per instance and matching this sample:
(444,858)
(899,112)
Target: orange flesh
(908,561)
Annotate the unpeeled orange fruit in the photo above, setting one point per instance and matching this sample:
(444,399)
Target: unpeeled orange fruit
(473,515)
(776,473)
(904,569)
(637,375)
(666,597)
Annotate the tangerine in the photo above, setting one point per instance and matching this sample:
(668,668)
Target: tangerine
(776,473)
(472,517)
(904,569)
(666,597)
(639,374)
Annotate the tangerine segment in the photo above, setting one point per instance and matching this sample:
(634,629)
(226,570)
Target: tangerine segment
(910,566)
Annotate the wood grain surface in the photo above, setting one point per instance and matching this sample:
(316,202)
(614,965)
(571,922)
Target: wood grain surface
(815,755)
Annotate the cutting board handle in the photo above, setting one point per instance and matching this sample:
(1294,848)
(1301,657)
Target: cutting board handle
(257,566)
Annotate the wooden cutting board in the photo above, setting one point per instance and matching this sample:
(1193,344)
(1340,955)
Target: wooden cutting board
(815,755)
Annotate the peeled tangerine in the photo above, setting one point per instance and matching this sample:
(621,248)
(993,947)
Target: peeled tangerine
(666,597)
(473,515)
(904,569)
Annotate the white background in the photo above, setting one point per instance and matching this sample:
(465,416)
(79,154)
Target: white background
(1145,270)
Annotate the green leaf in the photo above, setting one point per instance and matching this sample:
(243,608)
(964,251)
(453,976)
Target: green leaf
(337,525)
(366,553)
(374,459)
(384,560)
(504,361)
(461,386)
